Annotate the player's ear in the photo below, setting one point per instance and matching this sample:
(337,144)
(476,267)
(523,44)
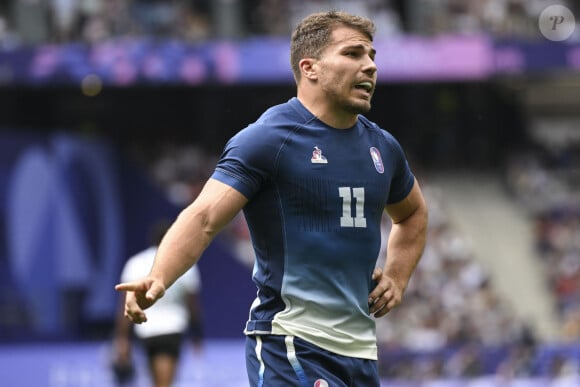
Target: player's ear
(308,68)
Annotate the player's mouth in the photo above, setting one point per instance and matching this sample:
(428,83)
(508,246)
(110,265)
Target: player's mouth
(366,86)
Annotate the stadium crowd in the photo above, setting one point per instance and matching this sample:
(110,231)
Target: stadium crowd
(451,302)
(92,21)
(546,182)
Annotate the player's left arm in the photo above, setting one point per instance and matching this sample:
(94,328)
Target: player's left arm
(404,248)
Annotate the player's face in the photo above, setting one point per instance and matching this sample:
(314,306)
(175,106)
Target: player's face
(347,71)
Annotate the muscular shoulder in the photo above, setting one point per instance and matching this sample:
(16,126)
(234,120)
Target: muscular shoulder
(250,157)
(261,140)
(273,125)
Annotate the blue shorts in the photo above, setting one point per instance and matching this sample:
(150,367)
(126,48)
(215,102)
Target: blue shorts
(288,361)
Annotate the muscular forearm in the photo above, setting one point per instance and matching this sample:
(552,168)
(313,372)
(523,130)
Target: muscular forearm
(405,246)
(194,229)
(182,246)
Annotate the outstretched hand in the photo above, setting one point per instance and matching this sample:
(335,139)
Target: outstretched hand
(141,294)
(386,295)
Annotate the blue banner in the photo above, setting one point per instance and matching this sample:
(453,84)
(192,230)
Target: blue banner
(127,62)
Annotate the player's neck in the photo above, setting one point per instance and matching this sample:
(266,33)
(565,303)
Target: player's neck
(320,109)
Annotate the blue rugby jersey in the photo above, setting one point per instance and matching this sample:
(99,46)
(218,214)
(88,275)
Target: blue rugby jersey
(316,196)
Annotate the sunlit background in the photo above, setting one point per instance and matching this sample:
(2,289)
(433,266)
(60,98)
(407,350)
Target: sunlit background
(113,113)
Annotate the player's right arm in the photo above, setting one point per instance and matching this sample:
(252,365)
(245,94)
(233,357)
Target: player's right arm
(183,245)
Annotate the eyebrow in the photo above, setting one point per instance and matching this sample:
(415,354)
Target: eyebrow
(360,47)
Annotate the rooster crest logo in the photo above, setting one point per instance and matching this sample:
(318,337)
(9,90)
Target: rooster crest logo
(317,157)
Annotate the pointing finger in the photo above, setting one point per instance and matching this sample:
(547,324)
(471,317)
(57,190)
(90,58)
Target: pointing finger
(129,286)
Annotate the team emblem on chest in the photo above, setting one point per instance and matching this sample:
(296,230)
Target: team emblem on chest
(377,160)
(317,157)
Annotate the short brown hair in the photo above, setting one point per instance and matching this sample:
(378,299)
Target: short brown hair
(312,34)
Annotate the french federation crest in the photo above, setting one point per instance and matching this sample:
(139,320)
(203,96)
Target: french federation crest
(317,157)
(377,160)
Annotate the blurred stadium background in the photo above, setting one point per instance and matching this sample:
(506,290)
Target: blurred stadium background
(113,112)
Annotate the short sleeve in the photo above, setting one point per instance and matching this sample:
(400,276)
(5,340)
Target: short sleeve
(403,178)
(248,160)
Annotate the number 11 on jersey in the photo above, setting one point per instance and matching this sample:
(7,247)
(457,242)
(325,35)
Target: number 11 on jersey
(347,194)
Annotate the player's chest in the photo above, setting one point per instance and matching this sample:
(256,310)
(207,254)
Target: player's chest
(331,159)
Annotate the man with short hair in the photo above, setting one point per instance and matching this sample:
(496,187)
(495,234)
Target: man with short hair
(313,177)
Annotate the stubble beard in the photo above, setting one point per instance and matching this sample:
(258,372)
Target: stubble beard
(357,107)
(350,104)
